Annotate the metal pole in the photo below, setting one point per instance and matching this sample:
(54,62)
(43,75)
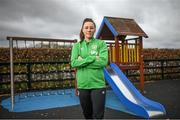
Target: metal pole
(162,69)
(12,72)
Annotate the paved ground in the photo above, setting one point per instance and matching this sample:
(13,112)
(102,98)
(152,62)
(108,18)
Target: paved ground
(167,92)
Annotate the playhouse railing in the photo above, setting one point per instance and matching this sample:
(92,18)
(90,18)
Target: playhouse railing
(129,53)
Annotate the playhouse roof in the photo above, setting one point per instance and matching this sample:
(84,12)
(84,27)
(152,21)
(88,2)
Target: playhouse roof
(113,26)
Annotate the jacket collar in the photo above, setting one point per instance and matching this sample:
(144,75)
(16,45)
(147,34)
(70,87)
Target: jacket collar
(92,39)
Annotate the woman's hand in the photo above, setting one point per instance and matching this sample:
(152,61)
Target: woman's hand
(76,92)
(97,58)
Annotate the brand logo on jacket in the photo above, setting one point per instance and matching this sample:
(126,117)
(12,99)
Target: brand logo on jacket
(94,50)
(94,47)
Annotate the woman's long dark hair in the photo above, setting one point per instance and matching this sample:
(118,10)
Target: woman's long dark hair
(81,35)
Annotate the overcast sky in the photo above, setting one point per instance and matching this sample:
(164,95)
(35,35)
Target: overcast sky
(63,18)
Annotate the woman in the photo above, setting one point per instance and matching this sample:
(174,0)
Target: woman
(89,57)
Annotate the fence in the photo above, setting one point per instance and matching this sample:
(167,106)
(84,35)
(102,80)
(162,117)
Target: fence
(37,76)
(53,75)
(21,47)
(158,69)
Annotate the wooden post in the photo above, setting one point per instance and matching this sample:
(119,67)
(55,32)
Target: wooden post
(162,69)
(116,50)
(136,57)
(29,76)
(141,65)
(123,47)
(110,53)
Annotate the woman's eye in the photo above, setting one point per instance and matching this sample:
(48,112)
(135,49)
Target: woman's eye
(89,28)
(85,27)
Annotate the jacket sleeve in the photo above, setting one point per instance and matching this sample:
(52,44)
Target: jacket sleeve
(103,57)
(77,63)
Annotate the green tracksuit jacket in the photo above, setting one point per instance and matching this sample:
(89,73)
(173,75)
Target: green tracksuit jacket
(89,68)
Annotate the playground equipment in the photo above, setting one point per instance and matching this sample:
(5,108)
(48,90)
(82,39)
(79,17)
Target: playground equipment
(129,96)
(47,65)
(126,53)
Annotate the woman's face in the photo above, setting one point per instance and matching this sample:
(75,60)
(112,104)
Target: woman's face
(88,30)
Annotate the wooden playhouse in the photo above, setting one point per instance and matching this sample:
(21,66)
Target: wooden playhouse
(124,38)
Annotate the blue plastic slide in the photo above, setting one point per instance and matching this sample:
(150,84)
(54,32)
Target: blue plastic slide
(129,96)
